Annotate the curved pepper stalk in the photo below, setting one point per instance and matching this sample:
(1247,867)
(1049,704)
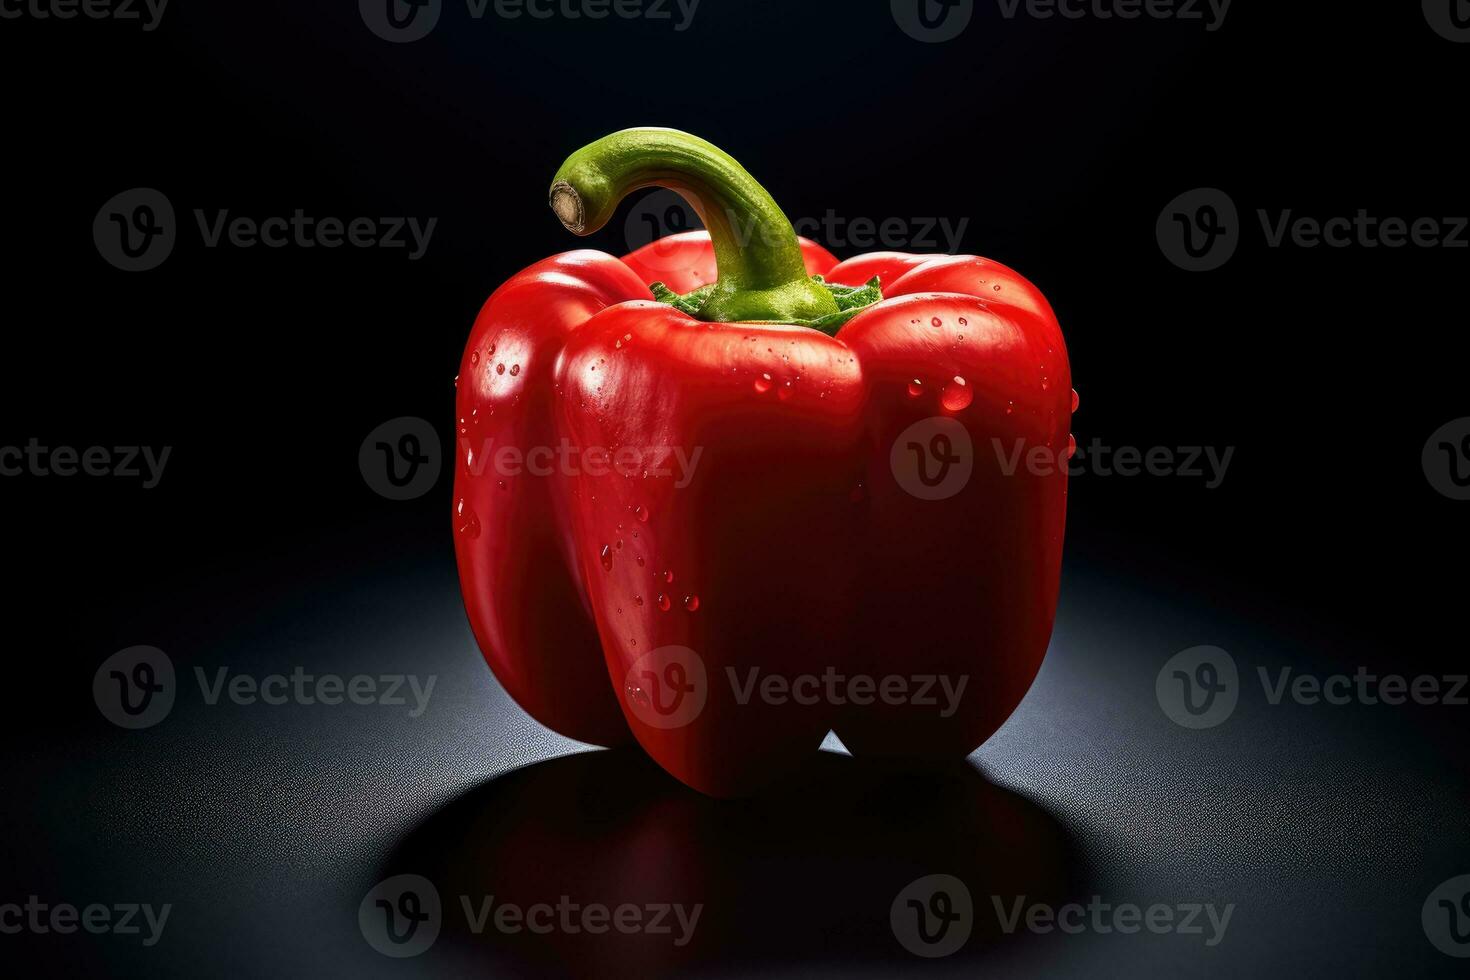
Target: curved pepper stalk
(762,274)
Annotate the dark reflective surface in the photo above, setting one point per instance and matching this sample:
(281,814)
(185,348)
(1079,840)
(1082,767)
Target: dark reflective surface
(803,876)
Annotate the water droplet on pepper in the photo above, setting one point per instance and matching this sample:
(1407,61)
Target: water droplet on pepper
(956,395)
(468,522)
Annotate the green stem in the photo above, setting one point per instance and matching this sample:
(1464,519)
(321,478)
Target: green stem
(762,274)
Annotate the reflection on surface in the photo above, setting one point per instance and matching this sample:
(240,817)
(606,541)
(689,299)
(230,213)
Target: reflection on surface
(805,874)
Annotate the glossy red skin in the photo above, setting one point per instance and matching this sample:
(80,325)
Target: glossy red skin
(803,550)
(523,588)
(964,587)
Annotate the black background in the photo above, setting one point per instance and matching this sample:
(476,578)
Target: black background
(1061,141)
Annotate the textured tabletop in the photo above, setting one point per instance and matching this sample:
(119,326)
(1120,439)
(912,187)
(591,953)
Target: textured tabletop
(1286,838)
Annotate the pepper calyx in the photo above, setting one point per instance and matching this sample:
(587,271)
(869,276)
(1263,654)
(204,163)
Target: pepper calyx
(851,300)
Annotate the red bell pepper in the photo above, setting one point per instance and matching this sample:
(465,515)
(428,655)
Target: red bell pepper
(720,496)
